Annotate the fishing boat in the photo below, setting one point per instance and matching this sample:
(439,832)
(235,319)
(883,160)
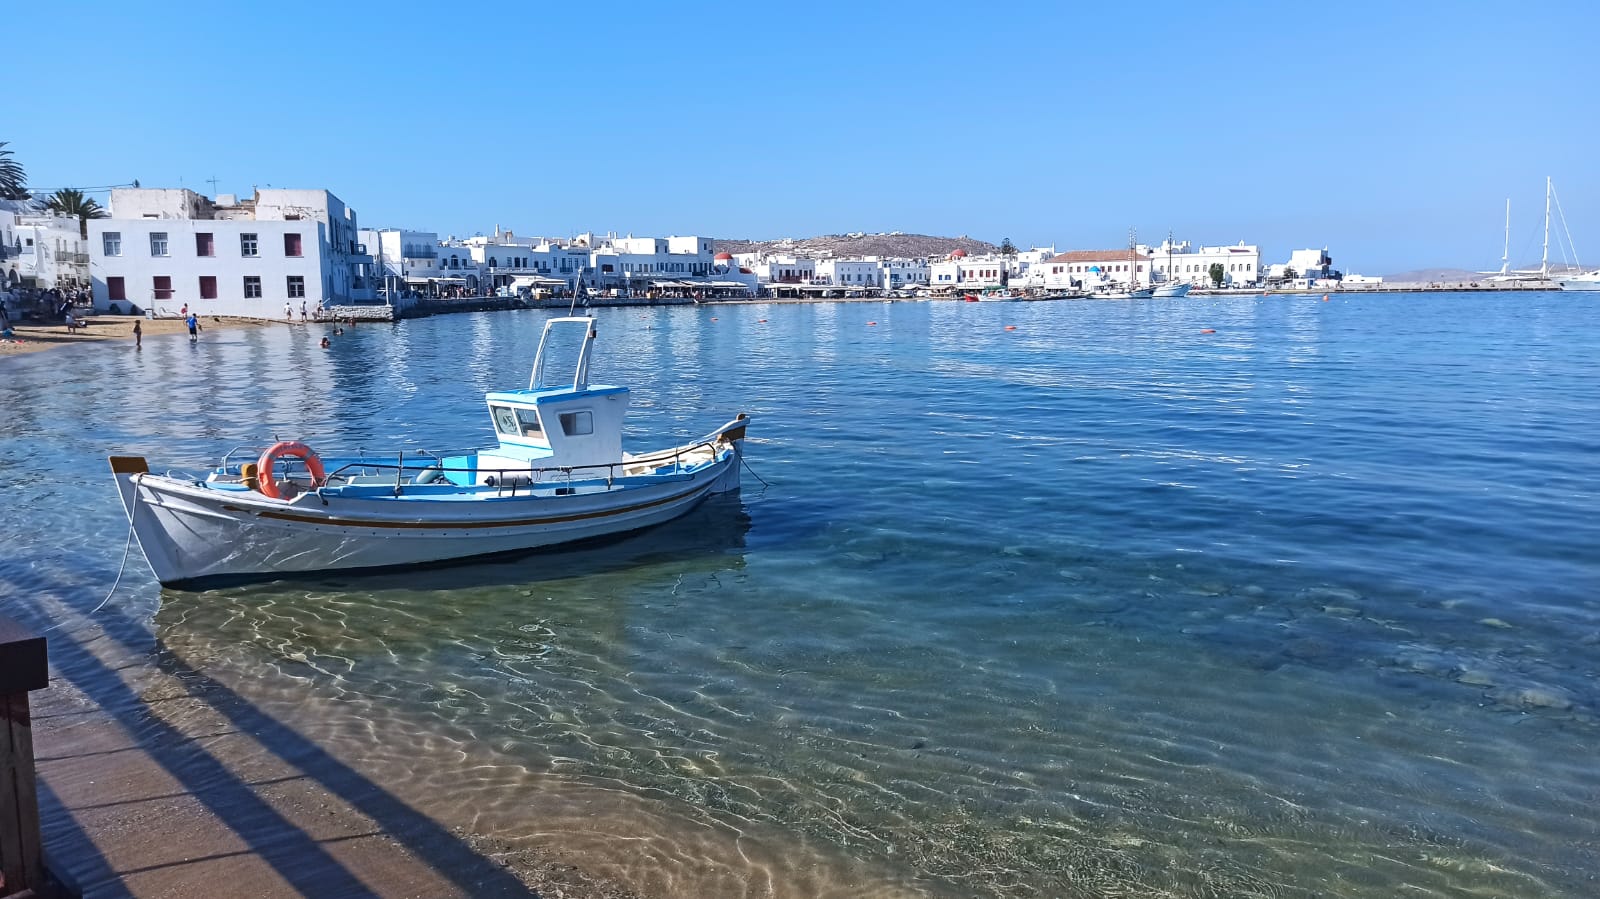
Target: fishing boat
(1172,289)
(557,474)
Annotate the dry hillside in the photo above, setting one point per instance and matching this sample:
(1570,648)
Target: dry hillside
(859,244)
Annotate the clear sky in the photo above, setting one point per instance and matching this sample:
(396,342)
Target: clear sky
(1391,132)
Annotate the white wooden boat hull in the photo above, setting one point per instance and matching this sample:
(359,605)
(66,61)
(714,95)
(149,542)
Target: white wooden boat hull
(1172,291)
(190,531)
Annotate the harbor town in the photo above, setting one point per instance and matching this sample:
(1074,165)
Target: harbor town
(165,252)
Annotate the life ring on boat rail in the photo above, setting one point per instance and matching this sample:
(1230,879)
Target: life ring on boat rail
(267,475)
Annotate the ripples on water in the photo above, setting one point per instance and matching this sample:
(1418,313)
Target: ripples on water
(1100,606)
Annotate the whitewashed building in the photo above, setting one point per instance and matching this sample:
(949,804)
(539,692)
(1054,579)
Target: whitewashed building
(867,272)
(776,269)
(1091,268)
(164,249)
(1241,263)
(42,249)
(973,272)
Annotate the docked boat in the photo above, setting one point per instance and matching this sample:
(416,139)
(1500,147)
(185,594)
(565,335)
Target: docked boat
(1001,296)
(557,474)
(1585,281)
(1171,289)
(1121,292)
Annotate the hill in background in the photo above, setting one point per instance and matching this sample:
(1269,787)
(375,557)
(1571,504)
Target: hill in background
(860,244)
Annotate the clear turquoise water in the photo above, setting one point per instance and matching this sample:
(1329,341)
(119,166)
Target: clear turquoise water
(1100,606)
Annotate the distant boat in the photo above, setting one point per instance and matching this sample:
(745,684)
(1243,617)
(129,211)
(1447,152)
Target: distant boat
(1585,281)
(1172,289)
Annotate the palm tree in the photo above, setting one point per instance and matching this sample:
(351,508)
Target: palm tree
(71,201)
(13,181)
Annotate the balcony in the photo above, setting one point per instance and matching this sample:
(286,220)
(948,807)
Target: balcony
(70,258)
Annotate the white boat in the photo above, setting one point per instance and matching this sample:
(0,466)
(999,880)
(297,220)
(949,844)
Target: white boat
(1172,289)
(1120,292)
(1585,281)
(1001,296)
(558,474)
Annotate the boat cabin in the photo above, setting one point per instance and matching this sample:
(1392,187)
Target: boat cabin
(560,421)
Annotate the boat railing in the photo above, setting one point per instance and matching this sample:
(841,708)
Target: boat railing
(511,479)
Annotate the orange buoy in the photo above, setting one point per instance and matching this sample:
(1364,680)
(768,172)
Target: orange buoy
(713,318)
(1208,330)
(871,323)
(762,322)
(1011,327)
(266,474)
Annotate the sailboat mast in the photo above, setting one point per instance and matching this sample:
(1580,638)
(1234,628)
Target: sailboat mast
(1505,255)
(1544,261)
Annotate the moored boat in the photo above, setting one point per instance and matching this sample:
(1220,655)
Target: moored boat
(558,474)
(1172,289)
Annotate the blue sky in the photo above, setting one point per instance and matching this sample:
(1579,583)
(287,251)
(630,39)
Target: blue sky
(1390,132)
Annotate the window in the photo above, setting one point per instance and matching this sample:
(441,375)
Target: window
(248,246)
(158,243)
(297,286)
(113,243)
(116,289)
(252,287)
(505,421)
(529,420)
(162,286)
(291,245)
(204,245)
(575,424)
(208,287)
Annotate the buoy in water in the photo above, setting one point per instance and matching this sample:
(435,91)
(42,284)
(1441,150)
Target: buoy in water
(1324,298)
(1011,327)
(871,323)
(1208,330)
(762,322)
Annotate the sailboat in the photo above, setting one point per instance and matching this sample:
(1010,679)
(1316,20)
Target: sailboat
(1171,288)
(1132,291)
(1542,273)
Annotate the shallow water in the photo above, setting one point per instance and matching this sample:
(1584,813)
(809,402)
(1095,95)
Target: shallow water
(1100,606)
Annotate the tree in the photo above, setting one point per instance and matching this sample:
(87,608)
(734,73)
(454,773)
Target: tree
(1289,274)
(1216,273)
(13,180)
(71,201)
(1007,248)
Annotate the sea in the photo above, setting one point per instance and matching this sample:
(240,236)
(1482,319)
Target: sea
(1246,596)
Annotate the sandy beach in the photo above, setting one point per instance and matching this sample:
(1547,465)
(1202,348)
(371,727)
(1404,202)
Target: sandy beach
(33,338)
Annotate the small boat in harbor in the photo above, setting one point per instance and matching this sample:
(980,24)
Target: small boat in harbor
(1121,292)
(1172,289)
(558,474)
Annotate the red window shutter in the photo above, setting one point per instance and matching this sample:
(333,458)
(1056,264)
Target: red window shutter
(208,287)
(115,289)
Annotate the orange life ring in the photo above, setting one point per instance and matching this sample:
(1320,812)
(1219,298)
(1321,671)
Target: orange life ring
(267,474)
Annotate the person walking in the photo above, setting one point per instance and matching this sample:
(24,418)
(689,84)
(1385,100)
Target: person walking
(288,313)
(194,327)
(138,335)
(302,312)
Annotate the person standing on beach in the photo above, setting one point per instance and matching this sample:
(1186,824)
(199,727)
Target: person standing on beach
(138,335)
(302,312)
(194,327)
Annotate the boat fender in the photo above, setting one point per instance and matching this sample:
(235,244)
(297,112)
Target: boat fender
(267,466)
(247,475)
(429,476)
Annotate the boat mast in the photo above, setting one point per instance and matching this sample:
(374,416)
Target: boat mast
(1505,255)
(1544,261)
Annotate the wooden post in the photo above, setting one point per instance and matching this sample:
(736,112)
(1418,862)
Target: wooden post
(23,669)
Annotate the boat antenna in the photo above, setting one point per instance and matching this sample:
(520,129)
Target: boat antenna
(1565,229)
(1505,255)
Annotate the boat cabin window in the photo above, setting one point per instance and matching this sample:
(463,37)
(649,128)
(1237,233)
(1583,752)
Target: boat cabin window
(528,420)
(505,421)
(574,424)
(516,422)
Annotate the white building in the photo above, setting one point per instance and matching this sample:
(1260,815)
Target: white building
(162,250)
(776,269)
(404,261)
(867,272)
(1308,265)
(41,249)
(1091,268)
(1241,263)
(973,272)
(899,273)
(638,263)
